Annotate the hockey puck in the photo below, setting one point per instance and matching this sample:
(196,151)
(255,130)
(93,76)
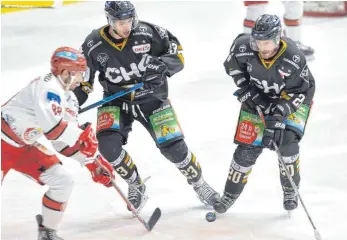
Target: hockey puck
(210,216)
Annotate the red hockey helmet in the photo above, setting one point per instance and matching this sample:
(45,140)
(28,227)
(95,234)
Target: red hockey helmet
(66,58)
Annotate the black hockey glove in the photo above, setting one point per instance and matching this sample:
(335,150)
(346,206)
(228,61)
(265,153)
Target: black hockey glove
(283,108)
(154,75)
(274,131)
(250,96)
(86,87)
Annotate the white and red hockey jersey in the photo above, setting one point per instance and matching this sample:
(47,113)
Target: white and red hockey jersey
(42,108)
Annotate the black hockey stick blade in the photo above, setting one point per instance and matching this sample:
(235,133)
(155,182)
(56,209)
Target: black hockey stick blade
(153,219)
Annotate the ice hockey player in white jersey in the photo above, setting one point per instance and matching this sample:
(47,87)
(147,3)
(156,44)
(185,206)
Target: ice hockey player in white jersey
(47,107)
(294,11)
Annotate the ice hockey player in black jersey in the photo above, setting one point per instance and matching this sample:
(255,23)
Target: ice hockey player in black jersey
(124,52)
(270,72)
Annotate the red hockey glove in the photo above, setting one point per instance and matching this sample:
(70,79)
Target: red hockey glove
(87,141)
(101,170)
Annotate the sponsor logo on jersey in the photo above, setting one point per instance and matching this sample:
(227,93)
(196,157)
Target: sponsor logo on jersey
(116,75)
(263,84)
(153,67)
(291,62)
(143,33)
(296,58)
(102,58)
(242,48)
(143,28)
(90,43)
(161,108)
(32,133)
(244,54)
(142,48)
(71,112)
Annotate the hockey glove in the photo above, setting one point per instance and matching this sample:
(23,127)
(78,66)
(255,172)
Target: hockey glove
(154,75)
(250,96)
(283,108)
(101,171)
(274,131)
(87,140)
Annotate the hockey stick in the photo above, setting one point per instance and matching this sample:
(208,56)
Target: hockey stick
(112,97)
(316,232)
(149,225)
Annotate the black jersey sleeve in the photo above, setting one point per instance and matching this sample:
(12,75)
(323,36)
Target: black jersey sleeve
(86,87)
(168,49)
(235,64)
(300,85)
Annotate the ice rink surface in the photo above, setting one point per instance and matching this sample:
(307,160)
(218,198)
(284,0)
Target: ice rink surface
(203,101)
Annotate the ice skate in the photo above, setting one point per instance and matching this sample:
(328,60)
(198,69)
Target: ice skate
(46,233)
(205,192)
(137,194)
(224,203)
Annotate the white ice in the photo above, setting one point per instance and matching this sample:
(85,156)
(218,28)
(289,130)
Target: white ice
(202,97)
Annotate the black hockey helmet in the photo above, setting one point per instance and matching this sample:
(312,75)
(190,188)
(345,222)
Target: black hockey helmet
(266,27)
(120,10)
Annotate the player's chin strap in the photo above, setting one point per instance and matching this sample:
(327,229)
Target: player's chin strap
(316,232)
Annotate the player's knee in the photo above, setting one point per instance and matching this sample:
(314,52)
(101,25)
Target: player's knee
(246,156)
(60,182)
(176,151)
(290,144)
(110,144)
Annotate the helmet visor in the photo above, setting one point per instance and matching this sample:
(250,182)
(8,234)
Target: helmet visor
(259,44)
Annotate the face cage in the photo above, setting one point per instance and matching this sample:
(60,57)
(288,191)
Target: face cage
(255,47)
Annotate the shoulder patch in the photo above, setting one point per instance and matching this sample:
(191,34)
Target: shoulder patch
(162,31)
(305,74)
(53,97)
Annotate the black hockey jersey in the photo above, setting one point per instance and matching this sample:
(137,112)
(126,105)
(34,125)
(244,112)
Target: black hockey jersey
(286,75)
(121,64)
